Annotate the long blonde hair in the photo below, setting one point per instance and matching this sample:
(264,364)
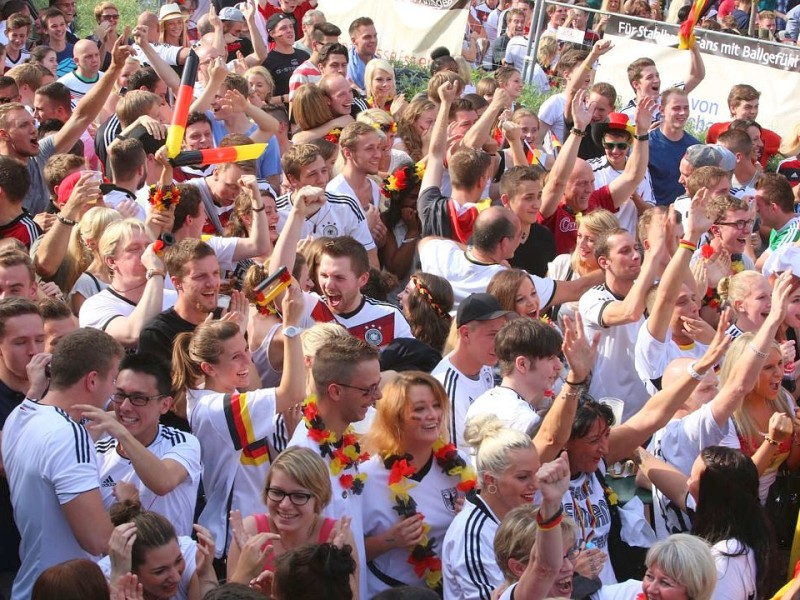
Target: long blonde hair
(598,222)
(80,255)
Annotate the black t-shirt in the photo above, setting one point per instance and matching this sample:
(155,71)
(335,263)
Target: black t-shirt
(281,66)
(433,213)
(158,335)
(538,250)
(9,535)
(242,45)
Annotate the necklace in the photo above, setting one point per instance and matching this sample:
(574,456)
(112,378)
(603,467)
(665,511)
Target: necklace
(345,453)
(423,557)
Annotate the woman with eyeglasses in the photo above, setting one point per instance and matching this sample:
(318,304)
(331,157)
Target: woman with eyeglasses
(297,489)
(215,385)
(416,481)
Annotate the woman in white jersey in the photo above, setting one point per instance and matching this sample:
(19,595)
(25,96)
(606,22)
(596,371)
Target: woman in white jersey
(212,371)
(749,295)
(416,479)
(507,463)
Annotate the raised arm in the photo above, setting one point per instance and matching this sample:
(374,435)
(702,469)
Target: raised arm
(258,242)
(697,69)
(565,162)
(669,480)
(216,75)
(587,66)
(53,247)
(160,66)
(259,54)
(744,377)
(554,431)
(625,185)
(481,131)
(436,153)
(292,387)
(126,329)
(303,202)
(661,407)
(513,133)
(305,137)
(571,291)
(629,310)
(92,103)
(678,268)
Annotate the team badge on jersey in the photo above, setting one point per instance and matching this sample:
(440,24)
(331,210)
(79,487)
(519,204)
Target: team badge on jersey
(373,336)
(330,230)
(450,498)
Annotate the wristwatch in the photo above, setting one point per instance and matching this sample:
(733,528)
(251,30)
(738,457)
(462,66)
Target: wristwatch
(292,331)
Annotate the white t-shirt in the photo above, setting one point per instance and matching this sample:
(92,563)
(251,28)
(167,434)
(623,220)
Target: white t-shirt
(115,197)
(585,502)
(235,433)
(626,214)
(736,575)
(652,356)
(462,392)
(508,406)
(167,52)
(469,567)
(614,373)
(224,248)
(516,51)
(446,259)
(339,187)
(679,443)
(340,215)
(627,590)
(552,113)
(343,503)
(102,308)
(173,444)
(188,549)
(78,87)
(49,461)
(436,495)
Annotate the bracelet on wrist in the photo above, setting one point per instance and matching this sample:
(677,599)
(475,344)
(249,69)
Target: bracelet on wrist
(262,209)
(65,221)
(687,245)
(771,441)
(694,374)
(550,523)
(578,132)
(576,383)
(645,137)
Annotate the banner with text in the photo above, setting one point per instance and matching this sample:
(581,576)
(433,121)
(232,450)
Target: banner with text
(773,69)
(407,29)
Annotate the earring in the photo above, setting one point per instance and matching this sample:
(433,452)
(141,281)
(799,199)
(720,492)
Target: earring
(491,489)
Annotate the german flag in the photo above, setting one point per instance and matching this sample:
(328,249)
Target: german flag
(237,416)
(696,13)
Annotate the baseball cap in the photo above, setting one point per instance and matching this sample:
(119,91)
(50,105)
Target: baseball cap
(273,21)
(710,155)
(66,186)
(479,307)
(229,13)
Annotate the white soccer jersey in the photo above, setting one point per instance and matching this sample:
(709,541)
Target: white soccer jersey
(375,322)
(469,567)
(508,406)
(343,503)
(652,356)
(614,373)
(234,432)
(339,216)
(462,392)
(436,495)
(224,248)
(49,461)
(627,215)
(102,308)
(446,259)
(173,444)
(339,187)
(78,87)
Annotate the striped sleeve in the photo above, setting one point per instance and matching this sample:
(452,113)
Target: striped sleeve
(249,417)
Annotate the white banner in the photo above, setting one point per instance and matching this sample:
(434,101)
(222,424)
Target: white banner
(773,69)
(407,29)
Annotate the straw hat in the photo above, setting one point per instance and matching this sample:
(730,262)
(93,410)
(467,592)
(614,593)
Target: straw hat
(169,12)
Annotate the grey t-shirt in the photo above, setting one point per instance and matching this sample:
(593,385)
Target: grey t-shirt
(37,198)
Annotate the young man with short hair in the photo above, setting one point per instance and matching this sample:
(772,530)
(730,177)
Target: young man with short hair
(17,278)
(774,201)
(55,25)
(339,215)
(29,78)
(21,338)
(309,72)
(343,271)
(128,163)
(219,191)
(15,221)
(59,320)
(161,463)
(364,40)
(87,70)
(745,173)
(50,463)
(284,58)
(310,21)
(18,30)
(616,309)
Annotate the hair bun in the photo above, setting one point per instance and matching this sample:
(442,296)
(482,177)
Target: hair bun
(481,427)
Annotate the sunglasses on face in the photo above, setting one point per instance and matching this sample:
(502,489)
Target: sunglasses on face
(616,145)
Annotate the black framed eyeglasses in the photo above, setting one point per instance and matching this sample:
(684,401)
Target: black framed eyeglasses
(367,392)
(296,498)
(616,145)
(573,553)
(741,224)
(109,17)
(135,399)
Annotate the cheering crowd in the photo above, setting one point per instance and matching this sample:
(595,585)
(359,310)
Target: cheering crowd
(282,330)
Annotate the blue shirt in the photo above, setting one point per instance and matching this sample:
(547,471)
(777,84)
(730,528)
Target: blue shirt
(356,68)
(268,164)
(66,63)
(664,165)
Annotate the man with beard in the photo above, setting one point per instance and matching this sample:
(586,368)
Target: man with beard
(365,45)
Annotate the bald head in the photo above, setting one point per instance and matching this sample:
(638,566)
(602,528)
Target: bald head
(580,186)
(493,226)
(87,58)
(149,20)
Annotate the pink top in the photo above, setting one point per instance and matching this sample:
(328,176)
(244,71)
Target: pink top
(262,526)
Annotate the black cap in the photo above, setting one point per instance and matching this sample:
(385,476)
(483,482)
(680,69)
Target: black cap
(479,307)
(273,21)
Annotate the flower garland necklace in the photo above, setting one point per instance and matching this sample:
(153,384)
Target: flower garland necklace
(423,558)
(345,454)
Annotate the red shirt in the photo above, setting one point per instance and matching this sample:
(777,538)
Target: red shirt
(564,226)
(772,141)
